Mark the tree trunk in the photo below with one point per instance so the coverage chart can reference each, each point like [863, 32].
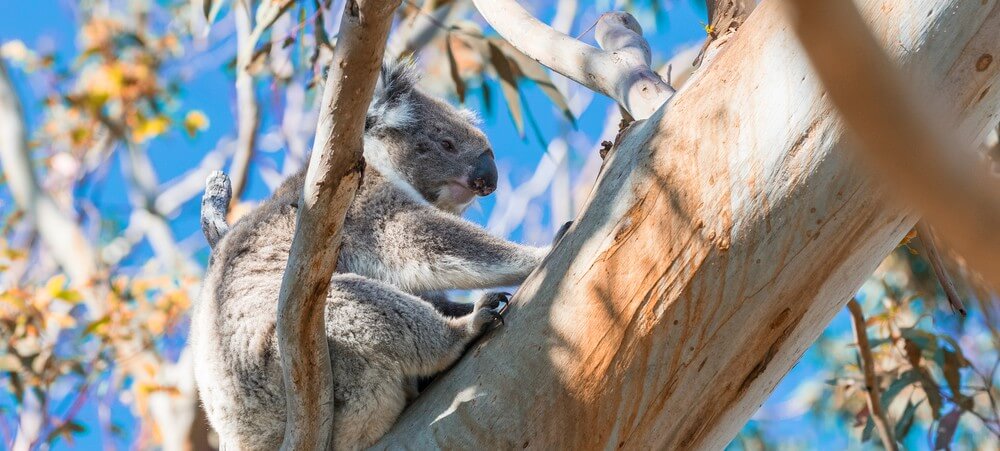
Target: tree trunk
[721, 239]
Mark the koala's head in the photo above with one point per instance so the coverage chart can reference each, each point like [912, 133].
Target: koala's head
[425, 144]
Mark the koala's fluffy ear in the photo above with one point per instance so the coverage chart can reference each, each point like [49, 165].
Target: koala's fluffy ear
[391, 105]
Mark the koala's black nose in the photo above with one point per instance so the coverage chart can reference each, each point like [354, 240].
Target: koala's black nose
[483, 179]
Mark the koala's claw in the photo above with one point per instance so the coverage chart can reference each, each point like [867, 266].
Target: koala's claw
[218, 185]
[491, 308]
[497, 317]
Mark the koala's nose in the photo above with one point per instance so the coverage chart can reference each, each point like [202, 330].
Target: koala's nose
[483, 179]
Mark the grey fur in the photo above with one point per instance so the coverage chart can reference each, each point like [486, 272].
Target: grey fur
[401, 237]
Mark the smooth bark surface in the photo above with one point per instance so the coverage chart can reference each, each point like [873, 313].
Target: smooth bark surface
[332, 178]
[620, 71]
[721, 239]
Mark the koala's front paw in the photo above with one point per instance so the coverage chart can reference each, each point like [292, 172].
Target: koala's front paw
[489, 311]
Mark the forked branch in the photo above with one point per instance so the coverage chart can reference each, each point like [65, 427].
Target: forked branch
[334, 174]
[620, 71]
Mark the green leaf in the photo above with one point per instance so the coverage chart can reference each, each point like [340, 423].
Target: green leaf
[906, 420]
[453, 69]
[534, 71]
[866, 434]
[508, 85]
[933, 393]
[925, 340]
[956, 348]
[897, 386]
[92, 327]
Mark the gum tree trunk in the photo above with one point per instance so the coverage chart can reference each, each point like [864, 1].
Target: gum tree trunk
[723, 236]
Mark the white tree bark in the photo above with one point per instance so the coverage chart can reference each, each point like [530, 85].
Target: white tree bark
[620, 71]
[333, 176]
[723, 236]
[247, 108]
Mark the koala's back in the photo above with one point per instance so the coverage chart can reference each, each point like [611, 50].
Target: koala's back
[233, 331]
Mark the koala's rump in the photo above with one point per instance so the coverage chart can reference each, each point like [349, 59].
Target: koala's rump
[239, 371]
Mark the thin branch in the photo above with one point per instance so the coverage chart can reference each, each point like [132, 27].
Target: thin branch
[247, 108]
[620, 71]
[332, 178]
[872, 391]
[947, 283]
[921, 157]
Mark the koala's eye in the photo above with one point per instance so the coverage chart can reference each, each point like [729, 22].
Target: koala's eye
[448, 145]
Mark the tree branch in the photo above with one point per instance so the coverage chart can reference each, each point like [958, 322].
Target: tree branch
[621, 71]
[247, 109]
[872, 392]
[66, 242]
[920, 156]
[702, 266]
[937, 263]
[332, 178]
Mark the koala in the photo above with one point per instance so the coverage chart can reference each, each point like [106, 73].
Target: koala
[402, 238]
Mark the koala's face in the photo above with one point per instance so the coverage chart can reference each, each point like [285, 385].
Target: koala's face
[434, 147]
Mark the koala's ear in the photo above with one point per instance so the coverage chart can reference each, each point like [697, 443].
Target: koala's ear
[392, 105]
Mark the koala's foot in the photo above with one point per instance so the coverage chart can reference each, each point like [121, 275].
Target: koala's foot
[215, 202]
[218, 187]
[489, 310]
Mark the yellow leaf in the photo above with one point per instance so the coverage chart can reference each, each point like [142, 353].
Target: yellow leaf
[55, 285]
[195, 121]
[56, 289]
[150, 128]
[13, 254]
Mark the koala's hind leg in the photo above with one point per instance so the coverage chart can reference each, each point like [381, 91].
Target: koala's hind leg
[214, 204]
[407, 331]
[446, 306]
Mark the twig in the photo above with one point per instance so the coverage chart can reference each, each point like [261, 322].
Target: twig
[947, 283]
[872, 391]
